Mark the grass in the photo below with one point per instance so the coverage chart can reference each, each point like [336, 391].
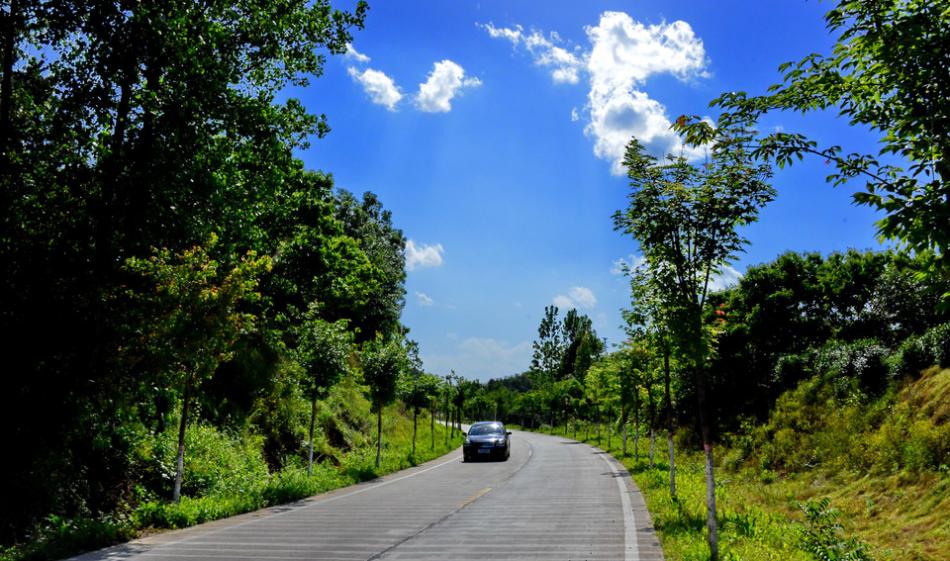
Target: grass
[897, 511]
[59, 537]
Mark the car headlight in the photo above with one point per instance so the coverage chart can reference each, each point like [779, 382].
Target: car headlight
[467, 441]
[499, 443]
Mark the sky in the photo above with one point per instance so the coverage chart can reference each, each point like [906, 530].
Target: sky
[493, 131]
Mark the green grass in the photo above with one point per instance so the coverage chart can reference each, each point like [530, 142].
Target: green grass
[218, 494]
[881, 465]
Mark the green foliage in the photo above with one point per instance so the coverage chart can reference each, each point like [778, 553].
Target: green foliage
[822, 535]
[382, 362]
[898, 93]
[919, 352]
[323, 351]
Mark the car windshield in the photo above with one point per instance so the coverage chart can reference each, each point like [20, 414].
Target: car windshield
[486, 429]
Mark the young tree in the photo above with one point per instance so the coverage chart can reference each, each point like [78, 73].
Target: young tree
[416, 389]
[383, 362]
[686, 219]
[323, 351]
[193, 318]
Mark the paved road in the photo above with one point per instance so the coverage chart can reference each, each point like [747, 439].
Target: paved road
[554, 499]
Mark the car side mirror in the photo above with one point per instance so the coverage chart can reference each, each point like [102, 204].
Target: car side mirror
[508, 433]
[464, 433]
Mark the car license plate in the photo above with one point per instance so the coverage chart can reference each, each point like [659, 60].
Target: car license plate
[484, 450]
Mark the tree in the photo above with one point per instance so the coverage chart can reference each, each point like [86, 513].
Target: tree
[416, 389]
[193, 318]
[383, 362]
[323, 351]
[548, 349]
[126, 126]
[685, 219]
[886, 71]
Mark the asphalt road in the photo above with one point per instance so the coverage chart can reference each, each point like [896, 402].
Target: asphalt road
[553, 499]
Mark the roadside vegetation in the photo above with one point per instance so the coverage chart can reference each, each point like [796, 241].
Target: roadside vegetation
[227, 472]
[194, 325]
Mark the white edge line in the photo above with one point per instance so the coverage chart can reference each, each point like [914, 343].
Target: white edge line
[631, 550]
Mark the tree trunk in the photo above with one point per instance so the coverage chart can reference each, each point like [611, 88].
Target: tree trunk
[669, 421]
[652, 446]
[445, 419]
[313, 418]
[432, 428]
[623, 419]
[180, 460]
[651, 413]
[415, 417]
[636, 426]
[706, 429]
[379, 433]
[608, 434]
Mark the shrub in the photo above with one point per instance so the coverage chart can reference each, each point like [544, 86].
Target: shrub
[823, 537]
[919, 352]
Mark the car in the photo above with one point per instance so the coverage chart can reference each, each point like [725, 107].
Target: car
[486, 440]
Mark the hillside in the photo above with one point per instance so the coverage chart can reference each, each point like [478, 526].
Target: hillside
[882, 466]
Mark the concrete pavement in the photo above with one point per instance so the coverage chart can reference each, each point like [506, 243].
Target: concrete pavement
[553, 499]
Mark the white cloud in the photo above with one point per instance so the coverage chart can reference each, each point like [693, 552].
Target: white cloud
[481, 358]
[423, 255]
[352, 53]
[565, 66]
[620, 266]
[624, 54]
[380, 87]
[424, 299]
[578, 297]
[726, 277]
[445, 81]
[575, 115]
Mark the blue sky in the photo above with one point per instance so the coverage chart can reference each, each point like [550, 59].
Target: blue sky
[491, 130]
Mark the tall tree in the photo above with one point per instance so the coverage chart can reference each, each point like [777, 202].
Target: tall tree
[685, 219]
[886, 71]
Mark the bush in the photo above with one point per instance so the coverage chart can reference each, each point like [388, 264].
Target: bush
[823, 538]
[919, 352]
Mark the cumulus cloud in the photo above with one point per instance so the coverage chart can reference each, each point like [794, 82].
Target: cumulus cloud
[624, 264]
[353, 54]
[578, 297]
[380, 87]
[624, 54]
[725, 277]
[446, 80]
[481, 358]
[565, 66]
[424, 299]
[423, 255]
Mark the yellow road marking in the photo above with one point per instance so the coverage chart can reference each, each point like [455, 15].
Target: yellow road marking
[474, 497]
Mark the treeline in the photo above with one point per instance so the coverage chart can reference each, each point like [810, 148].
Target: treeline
[168, 262]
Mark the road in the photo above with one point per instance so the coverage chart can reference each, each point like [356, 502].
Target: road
[553, 499]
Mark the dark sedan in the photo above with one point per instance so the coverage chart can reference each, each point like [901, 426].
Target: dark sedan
[487, 440]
